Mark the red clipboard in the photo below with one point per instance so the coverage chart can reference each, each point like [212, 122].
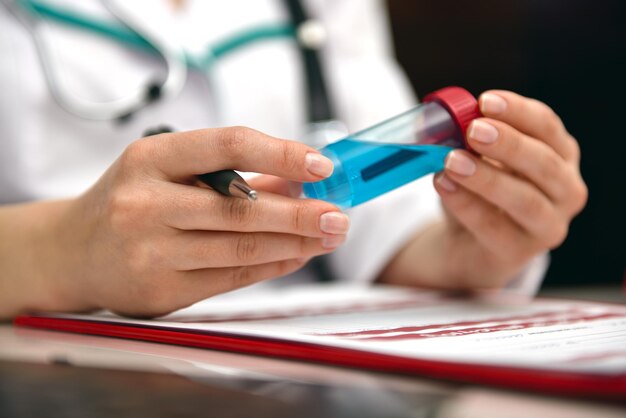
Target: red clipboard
[536, 380]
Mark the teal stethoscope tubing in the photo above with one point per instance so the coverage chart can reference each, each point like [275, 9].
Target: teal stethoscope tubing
[121, 34]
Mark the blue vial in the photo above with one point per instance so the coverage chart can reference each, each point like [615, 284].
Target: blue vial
[397, 151]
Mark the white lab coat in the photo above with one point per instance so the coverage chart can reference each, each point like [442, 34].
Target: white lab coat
[48, 153]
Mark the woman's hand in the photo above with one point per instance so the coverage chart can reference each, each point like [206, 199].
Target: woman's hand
[146, 239]
[507, 205]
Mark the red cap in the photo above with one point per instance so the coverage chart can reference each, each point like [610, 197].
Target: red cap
[461, 105]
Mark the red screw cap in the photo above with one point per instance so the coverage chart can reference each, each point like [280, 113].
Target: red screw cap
[462, 106]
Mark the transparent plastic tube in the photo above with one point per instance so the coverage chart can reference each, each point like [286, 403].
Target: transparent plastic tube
[397, 151]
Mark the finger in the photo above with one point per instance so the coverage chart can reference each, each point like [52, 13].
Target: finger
[490, 226]
[197, 285]
[194, 250]
[276, 185]
[184, 154]
[527, 156]
[193, 208]
[522, 201]
[531, 117]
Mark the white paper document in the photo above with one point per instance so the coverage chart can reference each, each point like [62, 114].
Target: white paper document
[548, 334]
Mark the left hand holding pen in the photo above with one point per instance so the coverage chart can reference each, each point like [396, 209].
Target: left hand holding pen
[517, 199]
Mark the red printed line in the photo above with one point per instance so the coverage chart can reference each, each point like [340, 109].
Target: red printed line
[598, 356]
[495, 328]
[452, 324]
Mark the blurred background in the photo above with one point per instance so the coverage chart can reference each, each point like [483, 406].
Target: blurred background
[570, 54]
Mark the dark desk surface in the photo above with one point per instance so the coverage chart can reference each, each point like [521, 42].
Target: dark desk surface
[53, 374]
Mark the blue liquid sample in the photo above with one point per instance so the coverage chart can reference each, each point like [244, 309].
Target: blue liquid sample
[366, 169]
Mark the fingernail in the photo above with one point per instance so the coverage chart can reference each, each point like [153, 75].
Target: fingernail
[483, 132]
[460, 164]
[333, 242]
[492, 104]
[334, 223]
[318, 165]
[446, 183]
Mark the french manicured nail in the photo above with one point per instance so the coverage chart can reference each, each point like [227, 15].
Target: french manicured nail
[318, 165]
[333, 242]
[492, 104]
[483, 132]
[334, 223]
[446, 183]
[460, 164]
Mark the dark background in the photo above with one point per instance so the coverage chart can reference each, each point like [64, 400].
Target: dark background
[570, 54]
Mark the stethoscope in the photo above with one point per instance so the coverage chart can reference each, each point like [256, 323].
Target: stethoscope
[133, 32]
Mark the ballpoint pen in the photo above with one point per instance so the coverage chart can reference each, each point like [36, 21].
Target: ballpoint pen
[228, 183]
